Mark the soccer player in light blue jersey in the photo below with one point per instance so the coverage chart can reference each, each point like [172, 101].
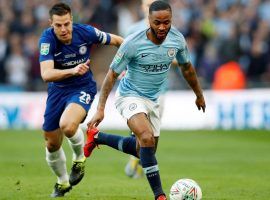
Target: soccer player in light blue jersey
[64, 62]
[147, 55]
[133, 168]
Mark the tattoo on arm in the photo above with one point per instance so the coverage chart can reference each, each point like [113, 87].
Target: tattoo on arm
[190, 76]
[106, 88]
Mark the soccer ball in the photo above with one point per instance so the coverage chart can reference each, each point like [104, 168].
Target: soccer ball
[185, 189]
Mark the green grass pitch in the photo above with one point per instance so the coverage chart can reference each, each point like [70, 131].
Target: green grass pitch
[228, 165]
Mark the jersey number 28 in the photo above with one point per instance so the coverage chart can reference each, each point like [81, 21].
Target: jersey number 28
[85, 98]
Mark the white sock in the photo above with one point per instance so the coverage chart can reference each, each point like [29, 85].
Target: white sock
[76, 142]
[57, 162]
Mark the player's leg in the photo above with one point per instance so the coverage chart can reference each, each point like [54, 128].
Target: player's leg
[70, 128]
[125, 144]
[134, 168]
[78, 102]
[120, 143]
[56, 160]
[128, 145]
[55, 155]
[141, 126]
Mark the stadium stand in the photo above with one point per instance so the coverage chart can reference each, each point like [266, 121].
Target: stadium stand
[217, 32]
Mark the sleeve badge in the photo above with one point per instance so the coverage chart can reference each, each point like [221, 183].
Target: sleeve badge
[44, 49]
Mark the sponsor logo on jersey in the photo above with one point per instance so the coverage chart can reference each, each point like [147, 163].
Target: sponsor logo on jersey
[70, 55]
[118, 57]
[73, 62]
[44, 48]
[156, 68]
[82, 50]
[171, 52]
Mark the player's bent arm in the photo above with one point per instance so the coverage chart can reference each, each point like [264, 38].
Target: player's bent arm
[50, 74]
[116, 40]
[106, 88]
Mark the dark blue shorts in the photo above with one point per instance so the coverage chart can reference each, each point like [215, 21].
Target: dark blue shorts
[60, 97]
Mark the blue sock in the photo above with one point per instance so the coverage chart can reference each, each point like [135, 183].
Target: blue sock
[124, 144]
[150, 168]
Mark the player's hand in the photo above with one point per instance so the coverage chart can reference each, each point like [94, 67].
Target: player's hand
[96, 119]
[200, 103]
[81, 69]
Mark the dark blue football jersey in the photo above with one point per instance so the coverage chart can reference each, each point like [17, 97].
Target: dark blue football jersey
[68, 56]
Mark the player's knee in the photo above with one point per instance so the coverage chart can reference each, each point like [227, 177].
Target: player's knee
[68, 129]
[52, 147]
[147, 139]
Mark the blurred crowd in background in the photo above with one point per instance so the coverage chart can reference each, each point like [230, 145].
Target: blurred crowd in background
[229, 40]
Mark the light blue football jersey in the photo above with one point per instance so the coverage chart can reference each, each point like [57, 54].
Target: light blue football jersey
[148, 64]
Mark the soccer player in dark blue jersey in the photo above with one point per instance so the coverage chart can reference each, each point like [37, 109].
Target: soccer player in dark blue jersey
[64, 62]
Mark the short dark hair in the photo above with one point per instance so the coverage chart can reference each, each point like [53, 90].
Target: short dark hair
[60, 9]
[159, 5]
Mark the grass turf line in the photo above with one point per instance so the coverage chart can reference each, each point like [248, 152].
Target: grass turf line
[228, 165]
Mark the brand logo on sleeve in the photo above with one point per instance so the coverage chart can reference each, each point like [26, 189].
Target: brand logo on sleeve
[44, 49]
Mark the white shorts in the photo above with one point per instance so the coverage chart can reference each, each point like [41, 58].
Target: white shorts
[129, 106]
[161, 102]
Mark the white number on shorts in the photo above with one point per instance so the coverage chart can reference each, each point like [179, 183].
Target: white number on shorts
[85, 98]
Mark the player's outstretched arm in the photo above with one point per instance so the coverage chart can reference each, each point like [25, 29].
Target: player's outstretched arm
[189, 74]
[116, 40]
[106, 88]
[50, 74]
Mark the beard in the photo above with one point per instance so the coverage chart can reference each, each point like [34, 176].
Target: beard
[156, 35]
